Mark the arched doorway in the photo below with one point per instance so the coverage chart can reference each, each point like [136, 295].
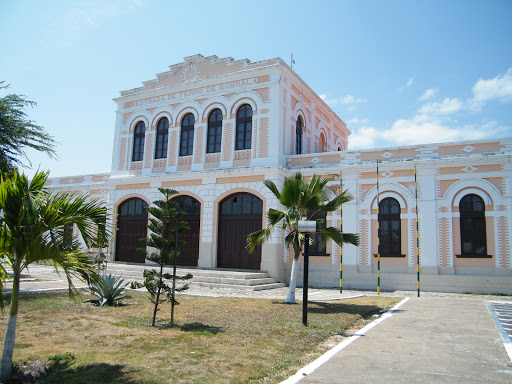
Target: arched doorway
[189, 253]
[239, 215]
[132, 225]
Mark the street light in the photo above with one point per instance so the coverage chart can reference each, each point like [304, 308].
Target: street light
[306, 227]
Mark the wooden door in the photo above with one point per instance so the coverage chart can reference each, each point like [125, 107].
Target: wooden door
[240, 215]
[132, 225]
[189, 252]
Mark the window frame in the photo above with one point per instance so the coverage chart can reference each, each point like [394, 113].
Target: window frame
[139, 136]
[317, 248]
[214, 141]
[473, 227]
[388, 246]
[187, 141]
[162, 138]
[298, 136]
[244, 142]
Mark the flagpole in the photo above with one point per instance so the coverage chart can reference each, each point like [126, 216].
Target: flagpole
[341, 230]
[378, 231]
[417, 233]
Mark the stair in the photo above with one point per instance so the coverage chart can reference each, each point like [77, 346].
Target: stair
[211, 278]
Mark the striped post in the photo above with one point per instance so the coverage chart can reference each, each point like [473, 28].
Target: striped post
[378, 231]
[341, 230]
[417, 233]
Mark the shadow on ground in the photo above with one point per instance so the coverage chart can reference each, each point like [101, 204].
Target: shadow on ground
[64, 372]
[330, 308]
[200, 328]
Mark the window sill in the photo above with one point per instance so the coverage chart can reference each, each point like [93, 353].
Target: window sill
[472, 256]
[389, 255]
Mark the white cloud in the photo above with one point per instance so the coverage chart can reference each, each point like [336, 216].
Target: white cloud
[446, 107]
[498, 88]
[364, 137]
[429, 93]
[419, 130]
[409, 82]
[349, 99]
[357, 120]
[329, 102]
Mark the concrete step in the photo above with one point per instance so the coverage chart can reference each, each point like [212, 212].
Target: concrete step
[240, 287]
[227, 280]
[213, 278]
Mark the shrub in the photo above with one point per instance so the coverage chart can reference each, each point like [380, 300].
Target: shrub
[109, 290]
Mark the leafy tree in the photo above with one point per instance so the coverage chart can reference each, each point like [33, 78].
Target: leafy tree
[32, 230]
[301, 201]
[17, 132]
[163, 226]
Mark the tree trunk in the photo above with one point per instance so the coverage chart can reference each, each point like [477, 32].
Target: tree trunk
[10, 333]
[158, 294]
[293, 281]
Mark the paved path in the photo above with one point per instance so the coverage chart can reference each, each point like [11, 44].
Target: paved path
[432, 339]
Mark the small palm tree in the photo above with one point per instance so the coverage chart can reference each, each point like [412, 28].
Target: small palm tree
[301, 201]
[32, 223]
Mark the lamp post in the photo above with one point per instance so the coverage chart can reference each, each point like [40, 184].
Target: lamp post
[306, 227]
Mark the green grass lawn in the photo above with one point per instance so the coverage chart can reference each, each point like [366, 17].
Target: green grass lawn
[217, 340]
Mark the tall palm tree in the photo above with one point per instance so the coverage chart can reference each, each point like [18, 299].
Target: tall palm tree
[32, 223]
[301, 201]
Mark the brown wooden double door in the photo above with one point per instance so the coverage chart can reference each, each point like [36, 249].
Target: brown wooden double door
[132, 225]
[189, 252]
[239, 215]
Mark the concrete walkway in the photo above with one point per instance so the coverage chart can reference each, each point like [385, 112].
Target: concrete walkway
[432, 339]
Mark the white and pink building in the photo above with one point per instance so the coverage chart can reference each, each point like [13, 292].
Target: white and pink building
[214, 129]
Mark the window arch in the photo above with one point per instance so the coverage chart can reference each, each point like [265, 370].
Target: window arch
[214, 131]
[187, 135]
[162, 136]
[323, 143]
[390, 231]
[298, 136]
[138, 141]
[473, 233]
[243, 127]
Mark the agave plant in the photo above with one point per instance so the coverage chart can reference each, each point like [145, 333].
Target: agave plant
[109, 290]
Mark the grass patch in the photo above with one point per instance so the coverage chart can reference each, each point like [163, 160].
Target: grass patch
[216, 340]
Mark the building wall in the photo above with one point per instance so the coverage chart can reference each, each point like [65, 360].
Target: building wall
[444, 172]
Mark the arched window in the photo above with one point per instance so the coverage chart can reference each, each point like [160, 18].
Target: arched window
[138, 141]
[243, 127]
[162, 135]
[323, 143]
[473, 234]
[390, 232]
[187, 135]
[298, 136]
[317, 248]
[214, 131]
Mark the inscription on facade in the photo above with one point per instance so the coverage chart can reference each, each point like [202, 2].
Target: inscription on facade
[195, 92]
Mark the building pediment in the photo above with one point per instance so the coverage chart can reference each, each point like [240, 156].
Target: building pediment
[199, 67]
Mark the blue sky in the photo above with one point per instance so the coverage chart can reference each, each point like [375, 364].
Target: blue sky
[397, 72]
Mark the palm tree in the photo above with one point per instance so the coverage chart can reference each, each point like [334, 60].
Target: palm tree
[32, 223]
[301, 201]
